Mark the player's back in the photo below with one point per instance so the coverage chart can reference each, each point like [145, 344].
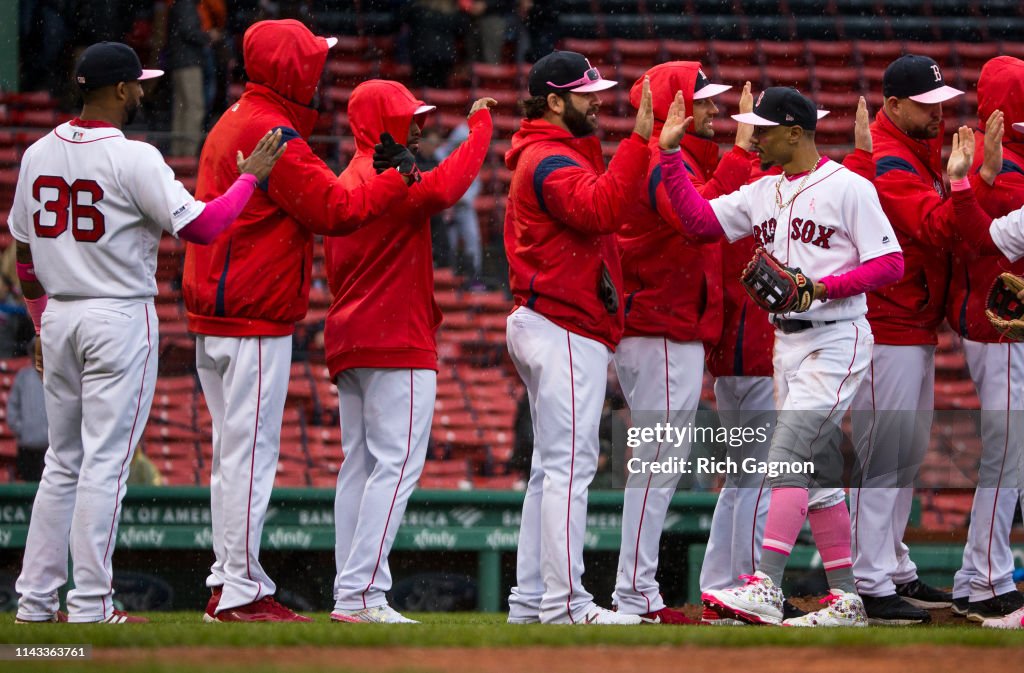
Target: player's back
[92, 205]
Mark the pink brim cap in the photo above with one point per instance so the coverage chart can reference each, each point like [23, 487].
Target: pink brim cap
[331, 41]
[150, 74]
[757, 120]
[1019, 126]
[940, 95]
[711, 90]
[424, 109]
[599, 85]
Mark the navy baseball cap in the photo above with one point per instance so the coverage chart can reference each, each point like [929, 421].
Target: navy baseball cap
[783, 106]
[703, 88]
[106, 63]
[565, 71]
[918, 78]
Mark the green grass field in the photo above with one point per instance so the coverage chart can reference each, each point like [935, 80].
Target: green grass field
[443, 630]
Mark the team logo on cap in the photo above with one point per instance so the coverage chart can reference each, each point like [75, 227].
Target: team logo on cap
[938, 73]
[759, 99]
[789, 117]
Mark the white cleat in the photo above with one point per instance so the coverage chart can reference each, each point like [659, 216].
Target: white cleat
[1014, 620]
[842, 609]
[382, 614]
[758, 601]
[598, 616]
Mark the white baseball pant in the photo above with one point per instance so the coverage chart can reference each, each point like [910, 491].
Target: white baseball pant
[245, 381]
[892, 423]
[661, 380]
[385, 427]
[100, 365]
[737, 526]
[998, 373]
[566, 377]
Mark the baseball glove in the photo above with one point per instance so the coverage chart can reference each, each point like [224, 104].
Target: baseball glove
[1003, 309]
[776, 287]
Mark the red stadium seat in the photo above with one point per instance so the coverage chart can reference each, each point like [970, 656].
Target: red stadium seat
[941, 52]
[878, 53]
[646, 53]
[837, 80]
[349, 72]
[832, 54]
[448, 101]
[783, 54]
[786, 76]
[737, 74]
[974, 55]
[599, 52]
[733, 53]
[686, 50]
[487, 76]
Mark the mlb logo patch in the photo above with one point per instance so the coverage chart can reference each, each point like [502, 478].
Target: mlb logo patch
[77, 135]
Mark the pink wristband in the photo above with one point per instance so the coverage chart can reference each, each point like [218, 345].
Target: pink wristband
[26, 272]
[35, 309]
[960, 185]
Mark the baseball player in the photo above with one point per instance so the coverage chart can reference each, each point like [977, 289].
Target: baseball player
[985, 580]
[821, 217]
[672, 300]
[740, 359]
[245, 293]
[564, 271]
[89, 209]
[893, 408]
[380, 343]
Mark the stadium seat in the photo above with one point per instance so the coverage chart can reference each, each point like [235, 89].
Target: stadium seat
[349, 72]
[782, 54]
[644, 53]
[733, 53]
[832, 54]
[878, 54]
[788, 76]
[974, 55]
[599, 52]
[687, 50]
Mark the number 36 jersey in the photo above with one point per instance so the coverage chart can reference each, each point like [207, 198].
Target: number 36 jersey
[92, 206]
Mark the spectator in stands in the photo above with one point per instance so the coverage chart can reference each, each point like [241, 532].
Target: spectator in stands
[434, 30]
[213, 16]
[462, 223]
[43, 34]
[186, 45]
[15, 326]
[26, 416]
[427, 159]
[491, 20]
[540, 24]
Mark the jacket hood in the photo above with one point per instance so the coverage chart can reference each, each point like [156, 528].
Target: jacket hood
[1001, 87]
[929, 152]
[666, 80]
[539, 130]
[379, 105]
[285, 57]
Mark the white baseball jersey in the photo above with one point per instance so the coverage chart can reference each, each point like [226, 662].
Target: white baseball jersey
[833, 224]
[1008, 234]
[92, 205]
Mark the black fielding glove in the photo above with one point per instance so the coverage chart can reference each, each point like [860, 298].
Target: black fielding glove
[389, 154]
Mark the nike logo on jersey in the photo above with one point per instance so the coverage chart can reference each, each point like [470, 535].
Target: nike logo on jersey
[807, 231]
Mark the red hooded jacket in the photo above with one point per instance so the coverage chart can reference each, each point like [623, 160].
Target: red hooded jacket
[1001, 87]
[254, 279]
[672, 282]
[382, 276]
[747, 337]
[562, 213]
[910, 187]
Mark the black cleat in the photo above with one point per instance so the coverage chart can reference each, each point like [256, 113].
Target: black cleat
[893, 611]
[999, 606]
[920, 595]
[789, 611]
[960, 606]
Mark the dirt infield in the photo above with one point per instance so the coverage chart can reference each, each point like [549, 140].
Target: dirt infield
[906, 659]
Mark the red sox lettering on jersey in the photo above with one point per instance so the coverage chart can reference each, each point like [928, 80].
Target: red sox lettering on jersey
[805, 231]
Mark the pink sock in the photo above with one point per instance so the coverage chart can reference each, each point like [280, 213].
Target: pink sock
[786, 514]
[831, 528]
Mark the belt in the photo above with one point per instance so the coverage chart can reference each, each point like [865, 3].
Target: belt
[793, 326]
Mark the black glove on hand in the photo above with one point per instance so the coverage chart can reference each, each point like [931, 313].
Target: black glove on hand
[389, 154]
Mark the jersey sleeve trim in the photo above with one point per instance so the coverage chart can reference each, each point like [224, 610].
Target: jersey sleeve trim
[886, 164]
[545, 168]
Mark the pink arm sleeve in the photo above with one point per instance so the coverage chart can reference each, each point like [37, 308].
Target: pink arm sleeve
[220, 213]
[870, 275]
[694, 211]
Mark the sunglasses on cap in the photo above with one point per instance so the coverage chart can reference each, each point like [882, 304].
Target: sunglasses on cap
[589, 77]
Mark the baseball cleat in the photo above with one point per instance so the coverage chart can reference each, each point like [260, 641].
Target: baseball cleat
[993, 608]
[122, 617]
[893, 610]
[666, 616]
[210, 615]
[382, 614]
[959, 606]
[842, 609]
[57, 618]
[1014, 620]
[265, 609]
[598, 616]
[920, 595]
[758, 601]
[711, 618]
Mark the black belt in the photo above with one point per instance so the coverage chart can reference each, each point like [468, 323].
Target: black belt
[793, 326]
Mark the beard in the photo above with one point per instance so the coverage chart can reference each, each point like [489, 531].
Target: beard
[130, 111]
[577, 123]
[922, 133]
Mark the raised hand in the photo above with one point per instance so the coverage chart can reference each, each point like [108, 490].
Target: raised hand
[862, 127]
[675, 124]
[962, 156]
[482, 104]
[268, 150]
[645, 113]
[390, 154]
[992, 162]
[744, 132]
